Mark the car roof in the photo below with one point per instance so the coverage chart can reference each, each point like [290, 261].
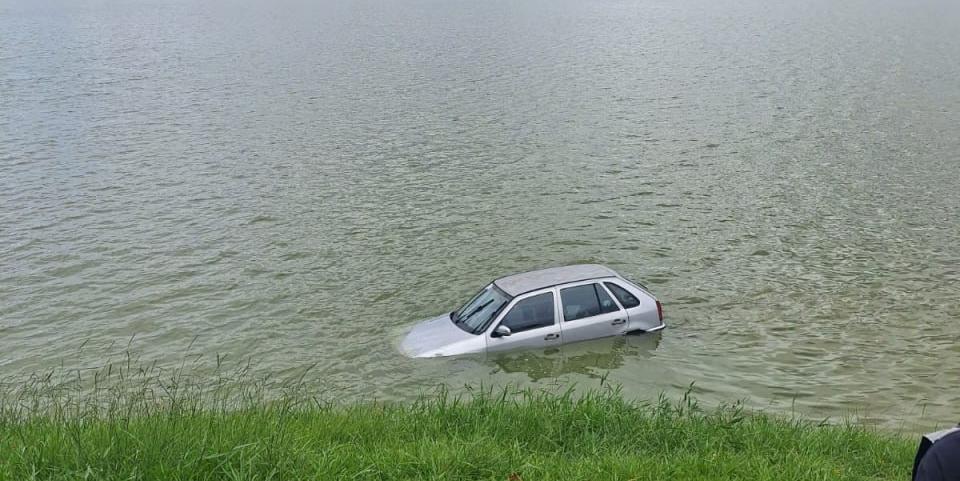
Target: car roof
[517, 284]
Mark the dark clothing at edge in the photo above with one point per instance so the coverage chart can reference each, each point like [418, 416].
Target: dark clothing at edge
[942, 461]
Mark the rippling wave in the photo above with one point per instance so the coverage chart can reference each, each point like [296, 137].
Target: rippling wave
[296, 183]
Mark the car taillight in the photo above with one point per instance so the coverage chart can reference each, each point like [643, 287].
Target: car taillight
[660, 311]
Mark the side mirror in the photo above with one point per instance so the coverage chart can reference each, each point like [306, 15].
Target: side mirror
[502, 331]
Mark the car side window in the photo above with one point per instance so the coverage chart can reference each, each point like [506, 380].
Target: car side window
[606, 302]
[624, 296]
[585, 301]
[530, 313]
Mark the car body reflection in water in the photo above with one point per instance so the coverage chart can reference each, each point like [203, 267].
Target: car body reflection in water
[589, 358]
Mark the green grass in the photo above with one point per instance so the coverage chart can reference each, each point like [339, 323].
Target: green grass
[169, 429]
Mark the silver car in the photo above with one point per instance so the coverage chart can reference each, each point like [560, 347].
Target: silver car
[539, 309]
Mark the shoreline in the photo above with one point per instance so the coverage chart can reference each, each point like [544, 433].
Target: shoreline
[530, 434]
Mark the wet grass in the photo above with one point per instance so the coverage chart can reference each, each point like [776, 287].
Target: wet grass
[146, 424]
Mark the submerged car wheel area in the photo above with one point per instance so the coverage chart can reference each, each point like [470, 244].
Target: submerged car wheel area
[541, 308]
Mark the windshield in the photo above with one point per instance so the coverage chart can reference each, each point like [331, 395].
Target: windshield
[476, 315]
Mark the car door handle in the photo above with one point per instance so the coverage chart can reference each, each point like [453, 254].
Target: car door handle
[617, 322]
[551, 337]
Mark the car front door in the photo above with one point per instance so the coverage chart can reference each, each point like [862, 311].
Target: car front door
[532, 321]
[589, 313]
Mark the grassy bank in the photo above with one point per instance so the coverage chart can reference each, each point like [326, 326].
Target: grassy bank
[175, 434]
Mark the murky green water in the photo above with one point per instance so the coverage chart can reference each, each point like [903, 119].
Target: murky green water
[297, 182]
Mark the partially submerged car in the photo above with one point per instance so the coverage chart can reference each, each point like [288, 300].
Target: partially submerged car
[541, 308]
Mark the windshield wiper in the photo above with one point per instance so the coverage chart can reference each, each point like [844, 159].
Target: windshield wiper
[473, 312]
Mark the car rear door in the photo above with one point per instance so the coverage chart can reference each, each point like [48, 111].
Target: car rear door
[532, 320]
[641, 309]
[588, 312]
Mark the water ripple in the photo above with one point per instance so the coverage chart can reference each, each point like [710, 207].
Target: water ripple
[297, 185]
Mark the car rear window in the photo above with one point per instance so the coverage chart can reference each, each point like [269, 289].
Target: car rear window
[627, 299]
[585, 301]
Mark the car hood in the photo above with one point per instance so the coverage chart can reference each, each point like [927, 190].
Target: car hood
[435, 337]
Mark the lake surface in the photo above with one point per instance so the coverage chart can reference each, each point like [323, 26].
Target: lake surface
[295, 183]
